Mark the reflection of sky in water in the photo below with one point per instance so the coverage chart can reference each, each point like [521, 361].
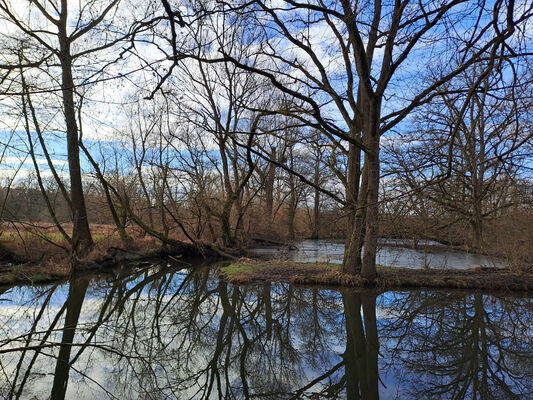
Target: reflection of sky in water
[333, 251]
[160, 335]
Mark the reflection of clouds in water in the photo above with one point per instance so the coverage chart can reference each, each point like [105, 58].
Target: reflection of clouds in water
[333, 251]
[135, 335]
[288, 335]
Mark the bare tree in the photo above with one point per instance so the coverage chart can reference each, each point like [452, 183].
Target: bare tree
[353, 79]
[66, 36]
[477, 131]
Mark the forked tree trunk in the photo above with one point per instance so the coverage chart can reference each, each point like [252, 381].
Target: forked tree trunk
[362, 346]
[363, 221]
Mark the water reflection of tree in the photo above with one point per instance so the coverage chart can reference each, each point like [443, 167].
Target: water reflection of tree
[362, 346]
[76, 294]
[459, 345]
[159, 336]
[191, 336]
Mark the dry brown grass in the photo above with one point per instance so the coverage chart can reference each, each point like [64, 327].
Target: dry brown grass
[48, 261]
[43, 242]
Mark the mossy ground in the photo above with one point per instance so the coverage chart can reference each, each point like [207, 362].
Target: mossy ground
[249, 271]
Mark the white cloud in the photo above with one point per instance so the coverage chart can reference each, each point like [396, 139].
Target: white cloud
[17, 161]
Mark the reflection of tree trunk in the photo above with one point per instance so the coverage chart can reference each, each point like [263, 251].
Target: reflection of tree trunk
[233, 310]
[479, 358]
[268, 309]
[352, 306]
[362, 346]
[222, 339]
[76, 294]
[372, 344]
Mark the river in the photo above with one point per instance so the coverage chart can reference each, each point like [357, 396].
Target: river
[186, 334]
[390, 253]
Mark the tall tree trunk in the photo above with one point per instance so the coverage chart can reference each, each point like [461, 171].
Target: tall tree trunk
[292, 207]
[372, 164]
[81, 235]
[225, 223]
[269, 190]
[316, 204]
[477, 230]
[352, 256]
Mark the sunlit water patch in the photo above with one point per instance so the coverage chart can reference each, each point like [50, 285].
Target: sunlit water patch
[433, 256]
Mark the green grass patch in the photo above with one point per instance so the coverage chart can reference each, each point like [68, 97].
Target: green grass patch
[250, 271]
[235, 271]
[40, 277]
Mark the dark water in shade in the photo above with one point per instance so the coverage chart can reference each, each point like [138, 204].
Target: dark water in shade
[187, 335]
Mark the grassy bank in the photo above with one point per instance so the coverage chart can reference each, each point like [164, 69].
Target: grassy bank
[249, 271]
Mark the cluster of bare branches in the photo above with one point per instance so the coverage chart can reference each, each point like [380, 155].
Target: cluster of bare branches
[258, 119]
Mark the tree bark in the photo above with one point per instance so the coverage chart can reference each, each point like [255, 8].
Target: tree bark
[81, 235]
[269, 191]
[372, 164]
[316, 204]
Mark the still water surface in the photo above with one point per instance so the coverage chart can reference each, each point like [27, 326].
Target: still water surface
[157, 334]
[390, 253]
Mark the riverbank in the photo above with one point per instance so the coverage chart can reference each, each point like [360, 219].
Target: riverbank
[250, 271]
[101, 259]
